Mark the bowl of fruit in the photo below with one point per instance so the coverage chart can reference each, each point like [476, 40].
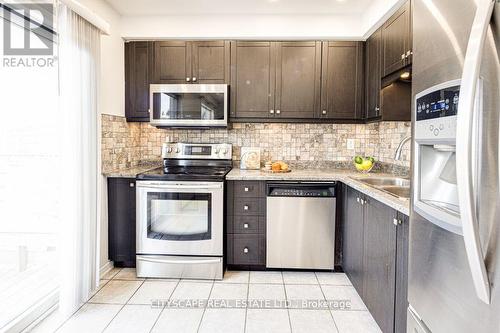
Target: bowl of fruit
[364, 164]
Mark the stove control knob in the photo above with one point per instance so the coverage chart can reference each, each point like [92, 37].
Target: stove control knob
[216, 151]
[169, 150]
[177, 150]
[224, 151]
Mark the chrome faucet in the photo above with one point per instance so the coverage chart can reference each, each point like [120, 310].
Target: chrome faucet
[399, 150]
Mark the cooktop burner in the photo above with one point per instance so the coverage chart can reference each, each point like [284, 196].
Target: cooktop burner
[186, 173]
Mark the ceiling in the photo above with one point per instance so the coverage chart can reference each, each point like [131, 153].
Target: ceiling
[197, 7]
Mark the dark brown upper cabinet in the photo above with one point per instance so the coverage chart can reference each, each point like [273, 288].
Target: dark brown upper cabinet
[211, 62]
[342, 80]
[138, 64]
[252, 79]
[172, 62]
[396, 40]
[373, 75]
[298, 72]
[191, 62]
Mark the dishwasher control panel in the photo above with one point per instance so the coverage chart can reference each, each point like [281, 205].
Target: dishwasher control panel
[301, 190]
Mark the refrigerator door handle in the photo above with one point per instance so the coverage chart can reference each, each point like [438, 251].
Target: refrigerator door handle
[465, 117]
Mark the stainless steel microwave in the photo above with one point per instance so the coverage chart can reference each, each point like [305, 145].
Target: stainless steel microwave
[188, 105]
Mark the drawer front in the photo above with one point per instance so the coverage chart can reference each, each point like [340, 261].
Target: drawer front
[247, 250]
[246, 224]
[249, 189]
[248, 206]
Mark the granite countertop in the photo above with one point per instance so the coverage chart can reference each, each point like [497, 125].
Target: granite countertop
[348, 177]
[130, 172]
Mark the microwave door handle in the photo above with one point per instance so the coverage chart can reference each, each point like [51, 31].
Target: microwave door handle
[465, 119]
[175, 261]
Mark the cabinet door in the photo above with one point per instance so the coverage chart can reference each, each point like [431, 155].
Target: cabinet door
[373, 75]
[138, 63]
[298, 70]
[401, 274]
[121, 221]
[252, 79]
[352, 240]
[395, 40]
[380, 263]
[172, 62]
[210, 62]
[342, 80]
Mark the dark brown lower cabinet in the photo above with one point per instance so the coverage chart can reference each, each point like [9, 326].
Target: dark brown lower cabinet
[379, 263]
[246, 224]
[121, 221]
[352, 240]
[375, 257]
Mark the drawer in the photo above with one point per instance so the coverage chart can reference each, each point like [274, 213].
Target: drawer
[246, 224]
[249, 189]
[248, 206]
[248, 250]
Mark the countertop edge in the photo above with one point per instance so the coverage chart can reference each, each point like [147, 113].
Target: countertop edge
[344, 176]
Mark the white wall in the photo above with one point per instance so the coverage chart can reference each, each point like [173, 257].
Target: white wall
[112, 89]
[377, 13]
[238, 26]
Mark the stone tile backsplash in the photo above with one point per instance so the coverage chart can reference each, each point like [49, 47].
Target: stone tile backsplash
[126, 145]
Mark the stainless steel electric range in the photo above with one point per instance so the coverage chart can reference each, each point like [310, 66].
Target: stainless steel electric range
[180, 212]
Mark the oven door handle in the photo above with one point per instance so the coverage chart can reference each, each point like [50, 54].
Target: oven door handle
[175, 261]
[179, 187]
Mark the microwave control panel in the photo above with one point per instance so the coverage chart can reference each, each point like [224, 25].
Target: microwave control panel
[436, 112]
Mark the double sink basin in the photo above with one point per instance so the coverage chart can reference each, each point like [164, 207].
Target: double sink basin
[398, 187]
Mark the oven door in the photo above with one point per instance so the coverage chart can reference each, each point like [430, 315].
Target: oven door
[188, 105]
[180, 218]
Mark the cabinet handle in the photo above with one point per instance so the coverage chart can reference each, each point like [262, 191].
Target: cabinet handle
[271, 111]
[245, 207]
[194, 79]
[357, 199]
[408, 53]
[246, 189]
[396, 222]
[245, 250]
[188, 79]
[323, 112]
[131, 185]
[278, 111]
[149, 110]
[403, 56]
[377, 109]
[245, 226]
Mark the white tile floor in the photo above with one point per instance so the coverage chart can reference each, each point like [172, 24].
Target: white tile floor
[123, 304]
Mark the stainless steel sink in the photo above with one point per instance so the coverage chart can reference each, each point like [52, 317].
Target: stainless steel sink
[399, 187]
[399, 191]
[386, 181]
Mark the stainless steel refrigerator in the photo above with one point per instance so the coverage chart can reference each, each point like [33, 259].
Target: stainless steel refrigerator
[454, 264]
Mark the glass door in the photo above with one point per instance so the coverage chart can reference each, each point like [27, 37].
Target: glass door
[179, 216]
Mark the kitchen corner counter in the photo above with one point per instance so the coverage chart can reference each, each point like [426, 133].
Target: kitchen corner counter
[347, 177]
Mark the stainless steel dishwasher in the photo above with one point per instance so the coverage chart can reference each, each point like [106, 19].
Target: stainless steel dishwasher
[300, 225]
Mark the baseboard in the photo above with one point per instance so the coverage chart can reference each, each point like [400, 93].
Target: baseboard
[105, 268]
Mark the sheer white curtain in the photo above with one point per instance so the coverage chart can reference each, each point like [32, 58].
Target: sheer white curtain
[79, 54]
